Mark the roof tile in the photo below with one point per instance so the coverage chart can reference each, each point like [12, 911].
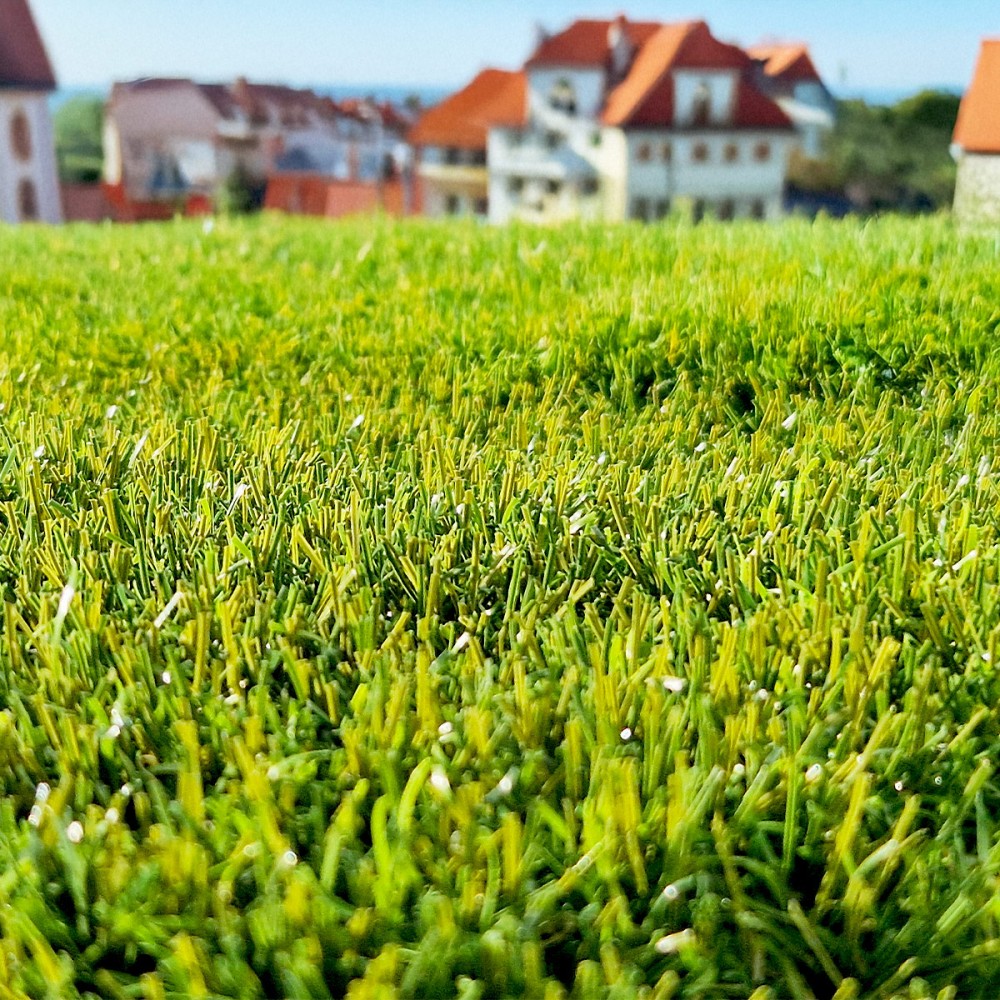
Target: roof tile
[586, 43]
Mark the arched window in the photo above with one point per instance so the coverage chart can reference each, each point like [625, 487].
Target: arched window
[562, 97]
[27, 200]
[701, 106]
[20, 136]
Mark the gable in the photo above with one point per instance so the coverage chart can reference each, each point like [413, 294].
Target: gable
[978, 127]
[24, 62]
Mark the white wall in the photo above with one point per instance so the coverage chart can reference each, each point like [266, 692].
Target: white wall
[977, 190]
[722, 95]
[743, 181]
[40, 168]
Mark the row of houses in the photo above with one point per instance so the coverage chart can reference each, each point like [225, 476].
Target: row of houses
[607, 119]
[625, 119]
[170, 141]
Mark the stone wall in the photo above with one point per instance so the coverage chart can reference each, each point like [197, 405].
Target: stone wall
[977, 192]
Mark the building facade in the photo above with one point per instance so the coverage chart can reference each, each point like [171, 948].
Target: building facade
[976, 145]
[615, 120]
[29, 183]
[167, 142]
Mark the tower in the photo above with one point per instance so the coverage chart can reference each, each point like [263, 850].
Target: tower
[29, 184]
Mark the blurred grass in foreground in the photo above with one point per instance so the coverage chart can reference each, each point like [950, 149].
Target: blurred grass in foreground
[427, 610]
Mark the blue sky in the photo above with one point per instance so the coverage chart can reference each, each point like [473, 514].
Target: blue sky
[858, 44]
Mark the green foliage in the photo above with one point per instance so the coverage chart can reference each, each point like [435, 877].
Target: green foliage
[418, 610]
[241, 193]
[888, 157]
[78, 126]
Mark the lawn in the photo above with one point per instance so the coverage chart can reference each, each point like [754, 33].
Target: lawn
[429, 610]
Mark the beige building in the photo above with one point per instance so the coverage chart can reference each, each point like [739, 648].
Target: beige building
[29, 183]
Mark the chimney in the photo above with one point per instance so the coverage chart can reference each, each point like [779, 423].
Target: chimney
[619, 48]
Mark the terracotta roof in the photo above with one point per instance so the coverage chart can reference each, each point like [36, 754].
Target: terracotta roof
[462, 121]
[978, 127]
[757, 110]
[23, 60]
[648, 82]
[645, 98]
[790, 63]
[585, 43]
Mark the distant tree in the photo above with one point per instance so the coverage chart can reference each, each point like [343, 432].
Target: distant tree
[241, 192]
[887, 158]
[78, 126]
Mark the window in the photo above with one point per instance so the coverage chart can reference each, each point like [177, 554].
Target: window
[478, 157]
[589, 186]
[553, 187]
[552, 140]
[727, 209]
[640, 209]
[732, 153]
[562, 96]
[644, 153]
[757, 209]
[452, 204]
[452, 156]
[596, 139]
[762, 152]
[662, 208]
[20, 136]
[515, 185]
[27, 201]
[482, 207]
[701, 106]
[667, 152]
[699, 152]
[698, 210]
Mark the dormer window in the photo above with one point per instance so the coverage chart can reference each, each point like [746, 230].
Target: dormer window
[701, 106]
[562, 96]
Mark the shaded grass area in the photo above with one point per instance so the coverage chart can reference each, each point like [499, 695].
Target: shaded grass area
[428, 610]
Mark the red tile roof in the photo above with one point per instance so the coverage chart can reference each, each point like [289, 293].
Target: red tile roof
[978, 127]
[495, 97]
[787, 62]
[645, 98]
[23, 60]
[649, 83]
[757, 110]
[585, 43]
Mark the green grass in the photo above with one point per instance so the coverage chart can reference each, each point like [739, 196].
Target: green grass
[437, 611]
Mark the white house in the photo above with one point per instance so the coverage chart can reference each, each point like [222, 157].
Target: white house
[29, 183]
[623, 119]
[976, 144]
